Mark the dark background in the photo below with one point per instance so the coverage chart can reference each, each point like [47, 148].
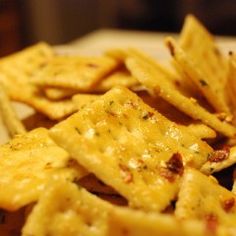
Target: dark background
[23, 22]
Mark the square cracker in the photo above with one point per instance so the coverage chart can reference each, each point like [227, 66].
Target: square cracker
[19, 89]
[75, 72]
[27, 163]
[15, 74]
[158, 83]
[17, 69]
[201, 197]
[141, 152]
[203, 62]
[66, 209]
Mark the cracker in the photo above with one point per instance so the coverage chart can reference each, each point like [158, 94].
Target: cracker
[19, 67]
[201, 197]
[157, 81]
[120, 77]
[65, 209]
[135, 145]
[26, 93]
[30, 58]
[8, 114]
[219, 160]
[137, 223]
[27, 162]
[15, 74]
[55, 110]
[75, 72]
[59, 93]
[201, 131]
[200, 58]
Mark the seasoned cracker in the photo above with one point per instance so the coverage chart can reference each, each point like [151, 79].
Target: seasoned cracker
[27, 163]
[201, 197]
[9, 116]
[157, 82]
[15, 74]
[142, 154]
[202, 61]
[75, 72]
[201, 131]
[65, 209]
[130, 222]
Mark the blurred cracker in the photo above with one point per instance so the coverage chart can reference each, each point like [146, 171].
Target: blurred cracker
[158, 84]
[29, 59]
[59, 93]
[201, 59]
[15, 74]
[75, 72]
[8, 114]
[27, 163]
[120, 77]
[201, 197]
[65, 209]
[124, 142]
[219, 160]
[124, 221]
[201, 131]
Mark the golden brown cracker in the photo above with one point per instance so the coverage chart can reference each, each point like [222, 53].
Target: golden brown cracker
[75, 72]
[158, 83]
[201, 197]
[27, 163]
[123, 135]
[65, 209]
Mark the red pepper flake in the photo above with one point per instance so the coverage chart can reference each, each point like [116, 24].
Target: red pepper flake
[219, 155]
[211, 223]
[228, 204]
[126, 174]
[175, 164]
